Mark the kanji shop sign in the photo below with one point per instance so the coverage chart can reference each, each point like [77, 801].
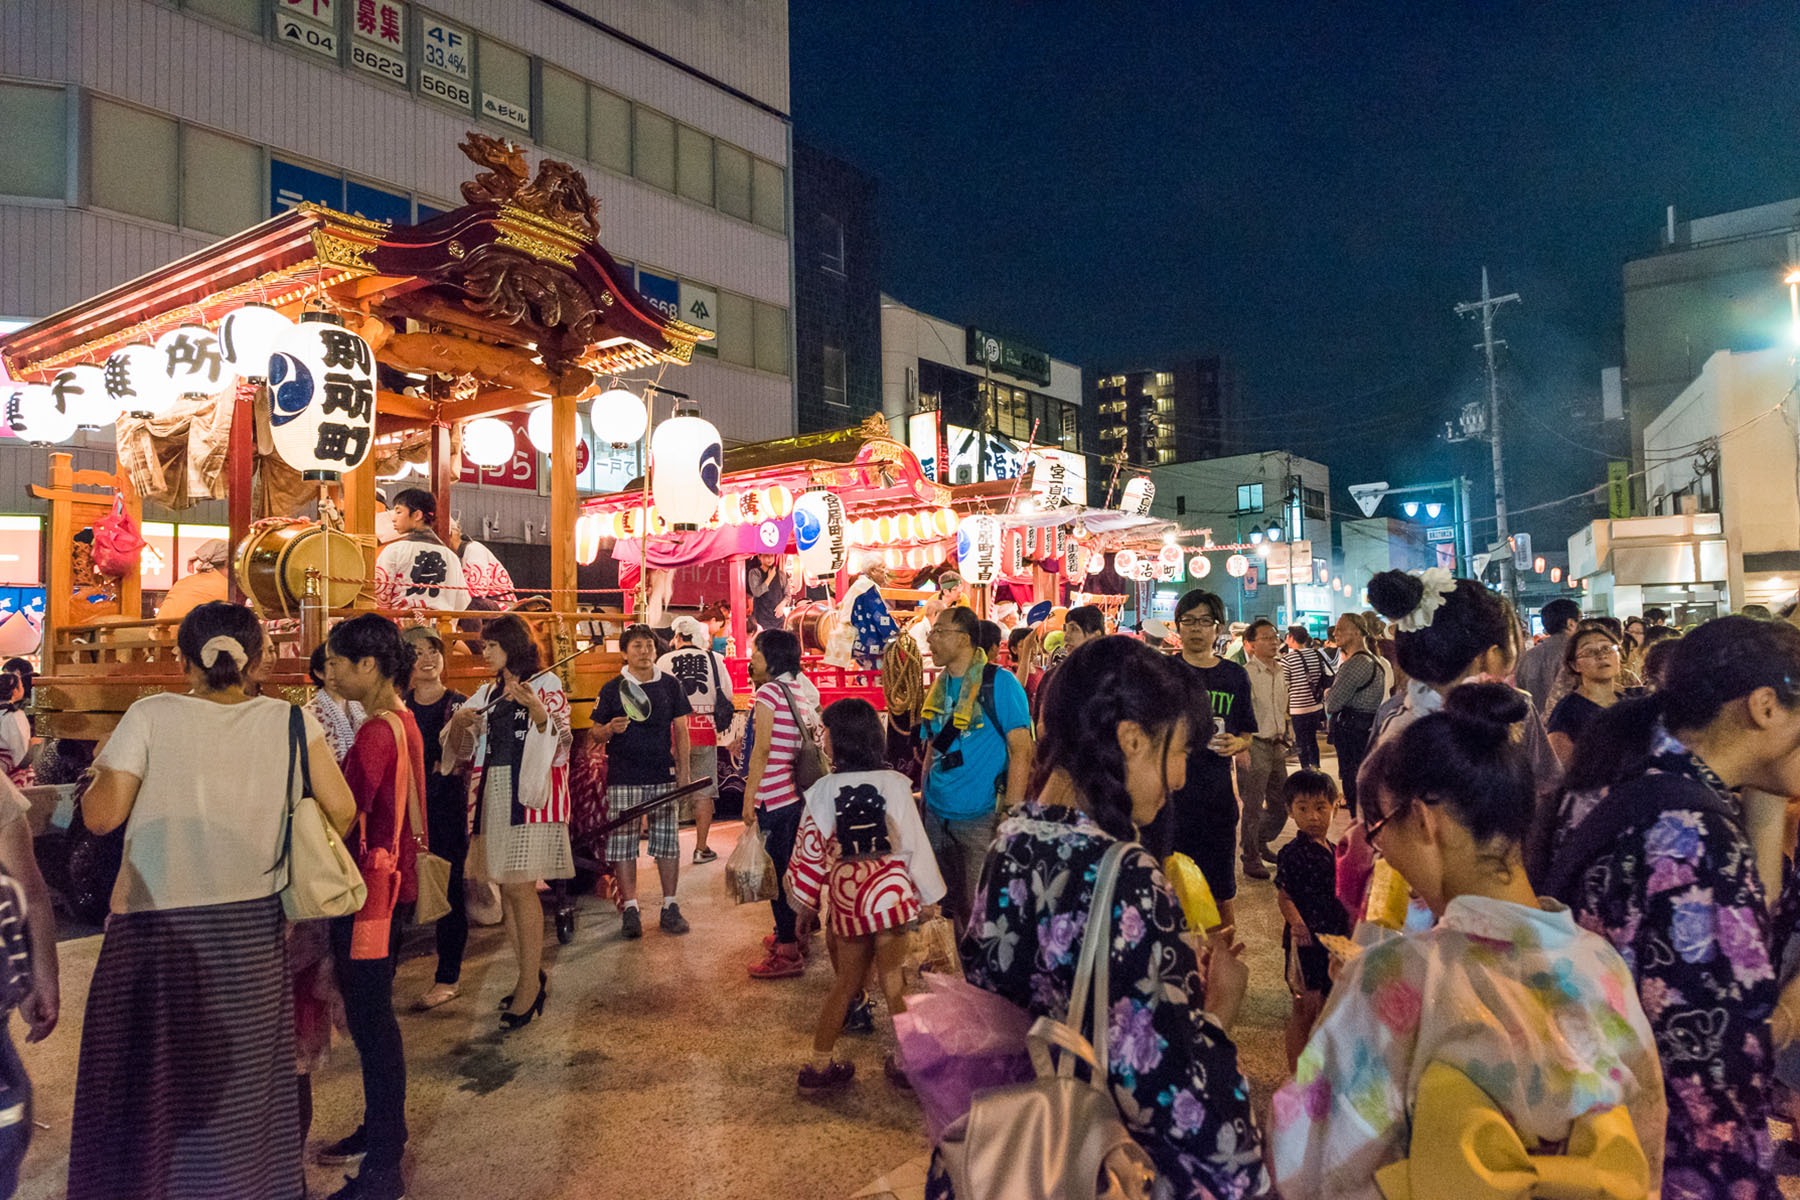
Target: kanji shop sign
[520, 471]
[309, 24]
[378, 38]
[322, 398]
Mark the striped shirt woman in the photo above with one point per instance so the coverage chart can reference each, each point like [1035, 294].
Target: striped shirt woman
[782, 690]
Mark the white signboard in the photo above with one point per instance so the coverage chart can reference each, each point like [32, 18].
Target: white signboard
[1521, 551]
[505, 111]
[378, 38]
[445, 71]
[297, 25]
[1368, 496]
[699, 306]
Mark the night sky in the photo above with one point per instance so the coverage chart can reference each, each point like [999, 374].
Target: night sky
[1308, 189]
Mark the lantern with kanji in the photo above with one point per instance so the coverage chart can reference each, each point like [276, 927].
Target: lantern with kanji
[322, 398]
[250, 336]
[978, 548]
[193, 361]
[1138, 495]
[81, 391]
[136, 382]
[34, 414]
[686, 460]
[1050, 482]
[820, 536]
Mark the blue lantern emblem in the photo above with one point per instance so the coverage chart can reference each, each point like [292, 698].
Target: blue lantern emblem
[712, 464]
[290, 388]
[807, 529]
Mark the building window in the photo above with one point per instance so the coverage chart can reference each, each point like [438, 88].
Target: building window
[132, 162]
[1165, 455]
[737, 329]
[653, 148]
[1181, 506]
[694, 165]
[831, 244]
[562, 121]
[505, 85]
[221, 182]
[609, 130]
[837, 388]
[771, 338]
[1071, 428]
[33, 140]
[245, 14]
[768, 196]
[731, 181]
[1250, 497]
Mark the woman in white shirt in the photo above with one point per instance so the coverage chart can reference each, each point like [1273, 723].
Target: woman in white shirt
[193, 958]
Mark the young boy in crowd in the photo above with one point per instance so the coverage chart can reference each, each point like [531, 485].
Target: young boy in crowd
[1305, 874]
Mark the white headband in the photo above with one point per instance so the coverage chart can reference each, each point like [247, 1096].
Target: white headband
[226, 645]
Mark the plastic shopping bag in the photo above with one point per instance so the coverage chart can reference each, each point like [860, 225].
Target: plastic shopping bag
[956, 1040]
[750, 872]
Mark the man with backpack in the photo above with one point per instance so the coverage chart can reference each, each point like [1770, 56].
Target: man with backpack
[1308, 679]
[977, 727]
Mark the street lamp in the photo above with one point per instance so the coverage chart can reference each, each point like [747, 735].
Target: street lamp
[1410, 508]
[1256, 535]
[1274, 533]
[1433, 510]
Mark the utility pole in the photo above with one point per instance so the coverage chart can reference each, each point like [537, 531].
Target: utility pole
[1486, 306]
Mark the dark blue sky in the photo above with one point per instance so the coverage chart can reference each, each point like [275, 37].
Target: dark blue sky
[1306, 188]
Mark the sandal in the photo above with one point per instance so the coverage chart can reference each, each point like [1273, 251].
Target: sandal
[440, 993]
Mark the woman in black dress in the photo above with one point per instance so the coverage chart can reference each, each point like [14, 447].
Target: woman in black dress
[1593, 656]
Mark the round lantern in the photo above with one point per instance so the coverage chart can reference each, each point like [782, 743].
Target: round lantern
[589, 529]
[819, 535]
[1199, 566]
[1169, 556]
[731, 511]
[1125, 563]
[35, 416]
[894, 559]
[686, 460]
[250, 336]
[1050, 482]
[859, 531]
[884, 530]
[618, 417]
[82, 393]
[1096, 562]
[541, 430]
[978, 548]
[1012, 553]
[907, 527]
[488, 442]
[777, 501]
[918, 558]
[321, 398]
[1237, 566]
[194, 363]
[1075, 560]
[1168, 572]
[135, 381]
[623, 524]
[1138, 495]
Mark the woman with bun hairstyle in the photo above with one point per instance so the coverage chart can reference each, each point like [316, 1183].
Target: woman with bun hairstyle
[1669, 845]
[1504, 990]
[372, 664]
[194, 960]
[1115, 744]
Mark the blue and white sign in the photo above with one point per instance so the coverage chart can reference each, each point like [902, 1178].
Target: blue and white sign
[663, 293]
[291, 184]
[377, 204]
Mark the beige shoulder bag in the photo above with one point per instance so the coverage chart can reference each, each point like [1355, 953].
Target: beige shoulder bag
[322, 879]
[1058, 1137]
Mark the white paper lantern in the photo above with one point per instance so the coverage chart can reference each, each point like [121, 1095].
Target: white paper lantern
[36, 416]
[1125, 563]
[589, 529]
[618, 417]
[488, 442]
[1199, 566]
[135, 380]
[322, 398]
[1050, 482]
[686, 461]
[541, 431]
[1138, 495]
[777, 501]
[1237, 566]
[81, 391]
[250, 336]
[194, 363]
[1075, 560]
[1169, 556]
[1166, 572]
[1012, 552]
[820, 536]
[978, 548]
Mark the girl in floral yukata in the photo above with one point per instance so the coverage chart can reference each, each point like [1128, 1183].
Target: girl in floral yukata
[1669, 845]
[1115, 742]
[1506, 989]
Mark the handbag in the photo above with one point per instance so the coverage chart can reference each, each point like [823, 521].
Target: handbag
[1057, 1137]
[117, 543]
[809, 760]
[432, 871]
[322, 878]
[724, 711]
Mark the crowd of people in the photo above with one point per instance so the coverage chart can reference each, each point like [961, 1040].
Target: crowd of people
[1558, 928]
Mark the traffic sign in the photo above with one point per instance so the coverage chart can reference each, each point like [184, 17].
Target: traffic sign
[1368, 496]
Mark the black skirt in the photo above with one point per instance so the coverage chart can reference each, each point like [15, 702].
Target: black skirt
[185, 1090]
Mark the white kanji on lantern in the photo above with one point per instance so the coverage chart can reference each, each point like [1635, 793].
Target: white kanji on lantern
[322, 398]
[978, 548]
[820, 535]
[1138, 495]
[193, 361]
[686, 462]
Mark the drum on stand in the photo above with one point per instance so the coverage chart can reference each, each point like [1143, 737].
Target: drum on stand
[813, 625]
[273, 561]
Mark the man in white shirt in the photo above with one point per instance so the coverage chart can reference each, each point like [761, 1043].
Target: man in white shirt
[417, 570]
[1262, 770]
[703, 676]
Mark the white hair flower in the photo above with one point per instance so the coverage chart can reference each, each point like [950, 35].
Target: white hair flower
[1438, 583]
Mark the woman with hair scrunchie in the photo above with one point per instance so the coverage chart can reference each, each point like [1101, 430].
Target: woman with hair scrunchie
[194, 958]
[1115, 743]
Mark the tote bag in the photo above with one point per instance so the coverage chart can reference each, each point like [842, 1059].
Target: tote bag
[322, 879]
[433, 872]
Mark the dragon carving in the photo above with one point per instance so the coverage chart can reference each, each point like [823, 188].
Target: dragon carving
[505, 285]
[558, 193]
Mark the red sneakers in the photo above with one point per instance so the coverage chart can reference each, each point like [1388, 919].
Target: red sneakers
[769, 945]
[783, 962]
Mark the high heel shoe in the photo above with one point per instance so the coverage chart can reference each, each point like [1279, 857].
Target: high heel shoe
[506, 1000]
[520, 1020]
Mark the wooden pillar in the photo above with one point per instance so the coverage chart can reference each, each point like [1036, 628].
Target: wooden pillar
[60, 598]
[359, 517]
[240, 470]
[563, 500]
[444, 472]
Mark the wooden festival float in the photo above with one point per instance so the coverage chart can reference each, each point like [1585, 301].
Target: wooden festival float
[279, 366]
